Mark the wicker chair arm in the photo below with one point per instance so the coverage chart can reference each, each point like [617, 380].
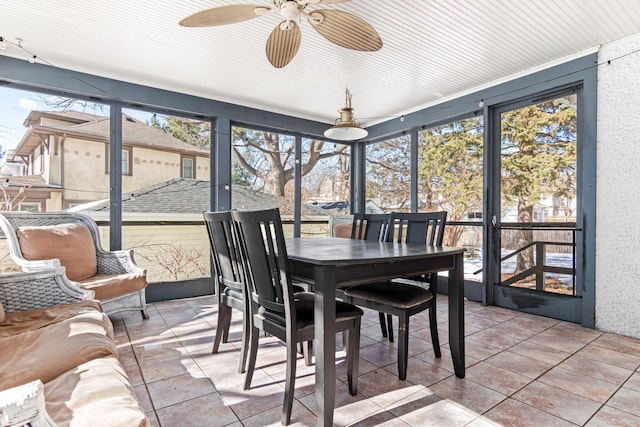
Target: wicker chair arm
[34, 290]
[117, 262]
[24, 405]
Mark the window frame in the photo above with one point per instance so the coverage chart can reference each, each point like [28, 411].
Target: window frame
[183, 158]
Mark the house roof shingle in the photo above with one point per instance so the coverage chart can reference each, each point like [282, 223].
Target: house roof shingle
[191, 196]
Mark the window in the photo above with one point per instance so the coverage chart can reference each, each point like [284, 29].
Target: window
[30, 207]
[388, 178]
[326, 185]
[187, 167]
[126, 161]
[127, 154]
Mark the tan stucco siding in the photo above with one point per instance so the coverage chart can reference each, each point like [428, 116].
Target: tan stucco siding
[84, 170]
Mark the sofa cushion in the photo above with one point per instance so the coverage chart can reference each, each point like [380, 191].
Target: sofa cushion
[112, 285]
[72, 244]
[48, 352]
[22, 321]
[98, 393]
[2, 315]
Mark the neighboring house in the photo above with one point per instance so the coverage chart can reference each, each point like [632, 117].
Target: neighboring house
[163, 224]
[70, 150]
[27, 193]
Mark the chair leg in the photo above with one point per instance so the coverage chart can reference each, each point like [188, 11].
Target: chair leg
[353, 357]
[390, 327]
[433, 326]
[244, 349]
[222, 326]
[253, 353]
[307, 352]
[383, 324]
[144, 313]
[403, 346]
[290, 382]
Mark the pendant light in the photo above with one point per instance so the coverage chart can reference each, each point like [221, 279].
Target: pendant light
[346, 127]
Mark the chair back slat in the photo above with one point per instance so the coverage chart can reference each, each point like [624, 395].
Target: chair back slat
[425, 228]
[264, 257]
[371, 227]
[224, 250]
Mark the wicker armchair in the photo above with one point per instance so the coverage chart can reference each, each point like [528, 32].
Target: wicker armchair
[118, 282]
[40, 289]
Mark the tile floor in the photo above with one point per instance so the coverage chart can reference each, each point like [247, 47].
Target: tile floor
[522, 370]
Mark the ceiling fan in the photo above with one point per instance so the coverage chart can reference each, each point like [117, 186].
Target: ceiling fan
[341, 28]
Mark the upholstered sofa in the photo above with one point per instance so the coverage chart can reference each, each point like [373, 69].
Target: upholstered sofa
[45, 240]
[58, 357]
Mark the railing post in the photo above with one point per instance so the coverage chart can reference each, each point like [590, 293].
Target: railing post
[539, 268]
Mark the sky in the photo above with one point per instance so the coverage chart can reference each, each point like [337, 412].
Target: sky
[15, 106]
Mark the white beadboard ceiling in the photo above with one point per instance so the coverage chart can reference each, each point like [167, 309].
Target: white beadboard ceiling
[433, 49]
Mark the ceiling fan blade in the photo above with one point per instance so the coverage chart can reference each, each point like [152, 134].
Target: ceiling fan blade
[222, 15]
[283, 45]
[345, 29]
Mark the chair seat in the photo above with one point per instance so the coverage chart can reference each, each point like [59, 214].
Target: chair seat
[304, 311]
[398, 295]
[114, 285]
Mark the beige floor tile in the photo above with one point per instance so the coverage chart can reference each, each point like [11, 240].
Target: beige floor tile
[608, 417]
[384, 388]
[424, 408]
[201, 411]
[596, 369]
[633, 382]
[495, 338]
[530, 368]
[178, 389]
[612, 357]
[496, 378]
[512, 413]
[626, 400]
[540, 352]
[467, 393]
[560, 403]
[582, 385]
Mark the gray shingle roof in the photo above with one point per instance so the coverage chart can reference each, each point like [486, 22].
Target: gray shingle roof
[191, 196]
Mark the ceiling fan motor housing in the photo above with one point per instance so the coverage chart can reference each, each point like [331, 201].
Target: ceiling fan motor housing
[290, 11]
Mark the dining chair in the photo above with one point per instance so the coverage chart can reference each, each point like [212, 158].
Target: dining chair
[230, 289]
[274, 306]
[372, 227]
[406, 296]
[229, 282]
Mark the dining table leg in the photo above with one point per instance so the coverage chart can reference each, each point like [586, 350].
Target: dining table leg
[325, 343]
[456, 315]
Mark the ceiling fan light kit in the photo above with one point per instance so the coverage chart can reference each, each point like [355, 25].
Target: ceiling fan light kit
[346, 127]
[341, 28]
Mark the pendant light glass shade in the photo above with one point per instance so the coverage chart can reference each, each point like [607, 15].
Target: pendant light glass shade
[346, 127]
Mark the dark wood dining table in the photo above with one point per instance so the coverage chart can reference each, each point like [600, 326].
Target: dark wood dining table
[331, 262]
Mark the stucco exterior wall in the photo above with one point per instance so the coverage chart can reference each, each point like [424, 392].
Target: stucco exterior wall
[85, 169]
[618, 181]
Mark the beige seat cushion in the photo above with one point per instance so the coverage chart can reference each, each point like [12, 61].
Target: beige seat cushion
[22, 321]
[2, 315]
[72, 244]
[342, 230]
[96, 393]
[112, 285]
[47, 353]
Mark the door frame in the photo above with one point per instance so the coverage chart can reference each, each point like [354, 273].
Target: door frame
[575, 309]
